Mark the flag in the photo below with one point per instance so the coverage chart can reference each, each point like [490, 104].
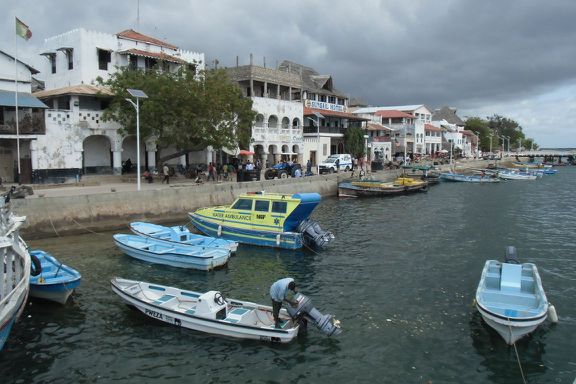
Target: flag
[22, 30]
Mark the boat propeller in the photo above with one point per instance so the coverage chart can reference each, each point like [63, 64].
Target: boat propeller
[326, 323]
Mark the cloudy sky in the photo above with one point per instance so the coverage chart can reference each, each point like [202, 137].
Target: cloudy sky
[515, 58]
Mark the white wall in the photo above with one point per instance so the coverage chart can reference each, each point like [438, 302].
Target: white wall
[8, 75]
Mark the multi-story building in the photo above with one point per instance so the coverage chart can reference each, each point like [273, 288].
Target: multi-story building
[407, 123]
[454, 138]
[77, 140]
[18, 140]
[276, 96]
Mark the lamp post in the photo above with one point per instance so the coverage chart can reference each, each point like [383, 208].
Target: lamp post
[491, 144]
[138, 94]
[477, 144]
[318, 117]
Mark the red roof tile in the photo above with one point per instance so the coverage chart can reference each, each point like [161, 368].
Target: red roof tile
[133, 35]
[153, 55]
[393, 113]
[324, 112]
[431, 128]
[378, 127]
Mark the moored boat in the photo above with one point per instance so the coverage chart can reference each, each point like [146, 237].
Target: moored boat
[14, 270]
[510, 297]
[516, 175]
[266, 219]
[56, 281]
[175, 255]
[180, 235]
[373, 188]
[210, 312]
[423, 172]
[459, 177]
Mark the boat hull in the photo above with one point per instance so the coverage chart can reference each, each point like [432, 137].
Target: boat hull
[210, 227]
[141, 249]
[510, 330]
[468, 178]
[56, 282]
[58, 293]
[222, 327]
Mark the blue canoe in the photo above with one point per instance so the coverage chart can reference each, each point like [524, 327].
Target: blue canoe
[176, 255]
[56, 281]
[450, 176]
[180, 235]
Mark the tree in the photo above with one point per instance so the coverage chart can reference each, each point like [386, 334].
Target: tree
[354, 142]
[183, 109]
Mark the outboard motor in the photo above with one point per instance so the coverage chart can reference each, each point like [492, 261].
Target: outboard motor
[326, 323]
[313, 235]
[511, 255]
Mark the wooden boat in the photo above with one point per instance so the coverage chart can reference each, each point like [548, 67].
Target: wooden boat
[372, 188]
[206, 312]
[516, 175]
[15, 265]
[56, 281]
[266, 219]
[180, 235]
[459, 177]
[510, 297]
[181, 256]
[423, 172]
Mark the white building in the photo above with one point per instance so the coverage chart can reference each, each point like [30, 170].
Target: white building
[276, 98]
[18, 139]
[77, 140]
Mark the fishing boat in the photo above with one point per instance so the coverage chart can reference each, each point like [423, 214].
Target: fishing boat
[372, 188]
[15, 265]
[181, 256]
[210, 312]
[266, 219]
[510, 297]
[423, 172]
[180, 234]
[56, 281]
[459, 177]
[516, 175]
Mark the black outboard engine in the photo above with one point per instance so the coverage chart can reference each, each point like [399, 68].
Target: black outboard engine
[326, 323]
[313, 235]
[511, 255]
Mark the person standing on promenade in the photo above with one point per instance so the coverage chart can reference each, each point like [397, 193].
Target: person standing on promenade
[279, 293]
[166, 173]
[211, 172]
[337, 165]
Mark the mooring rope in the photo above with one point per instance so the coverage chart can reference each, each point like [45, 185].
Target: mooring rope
[54, 228]
[88, 229]
[517, 356]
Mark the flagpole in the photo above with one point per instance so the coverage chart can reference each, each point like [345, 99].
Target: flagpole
[16, 104]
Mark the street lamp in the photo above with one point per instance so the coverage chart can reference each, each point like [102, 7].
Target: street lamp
[318, 117]
[477, 144]
[138, 94]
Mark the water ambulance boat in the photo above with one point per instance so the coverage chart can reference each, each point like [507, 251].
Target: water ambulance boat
[265, 219]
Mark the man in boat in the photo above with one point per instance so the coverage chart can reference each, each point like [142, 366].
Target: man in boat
[279, 292]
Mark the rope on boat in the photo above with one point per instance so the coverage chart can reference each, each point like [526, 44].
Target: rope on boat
[313, 250]
[517, 356]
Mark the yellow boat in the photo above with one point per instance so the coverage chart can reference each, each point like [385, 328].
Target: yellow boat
[266, 219]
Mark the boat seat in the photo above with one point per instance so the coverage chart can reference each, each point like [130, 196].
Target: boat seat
[236, 315]
[191, 311]
[167, 250]
[163, 299]
[511, 277]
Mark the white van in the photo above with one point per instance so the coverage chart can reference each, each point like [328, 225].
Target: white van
[329, 165]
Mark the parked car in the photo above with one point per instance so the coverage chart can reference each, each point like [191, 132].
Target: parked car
[329, 165]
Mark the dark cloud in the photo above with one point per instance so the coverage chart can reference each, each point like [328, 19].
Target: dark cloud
[465, 53]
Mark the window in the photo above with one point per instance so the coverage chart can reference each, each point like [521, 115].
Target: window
[244, 204]
[103, 59]
[133, 62]
[52, 59]
[279, 206]
[261, 205]
[70, 58]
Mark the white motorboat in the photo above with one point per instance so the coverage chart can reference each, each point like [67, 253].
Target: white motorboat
[210, 312]
[510, 297]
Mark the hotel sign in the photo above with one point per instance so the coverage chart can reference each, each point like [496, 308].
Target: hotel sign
[326, 106]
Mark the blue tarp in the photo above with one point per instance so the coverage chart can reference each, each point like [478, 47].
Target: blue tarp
[25, 100]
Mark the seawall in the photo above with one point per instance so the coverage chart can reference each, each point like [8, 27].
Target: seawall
[69, 215]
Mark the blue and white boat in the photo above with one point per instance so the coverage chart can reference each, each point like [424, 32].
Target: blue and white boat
[180, 235]
[513, 174]
[14, 270]
[510, 297]
[56, 281]
[451, 176]
[175, 255]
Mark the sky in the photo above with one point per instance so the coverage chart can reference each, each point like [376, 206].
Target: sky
[514, 58]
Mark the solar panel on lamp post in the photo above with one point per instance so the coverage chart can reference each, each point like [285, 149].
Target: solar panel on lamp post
[138, 94]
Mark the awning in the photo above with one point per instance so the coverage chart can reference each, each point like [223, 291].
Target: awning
[245, 152]
[26, 100]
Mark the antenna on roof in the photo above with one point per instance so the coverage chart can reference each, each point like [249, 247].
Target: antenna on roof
[138, 16]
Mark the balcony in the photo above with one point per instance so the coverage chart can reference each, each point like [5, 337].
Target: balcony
[274, 134]
[84, 119]
[30, 124]
[331, 130]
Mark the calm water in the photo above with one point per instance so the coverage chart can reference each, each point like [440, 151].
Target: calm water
[401, 277]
